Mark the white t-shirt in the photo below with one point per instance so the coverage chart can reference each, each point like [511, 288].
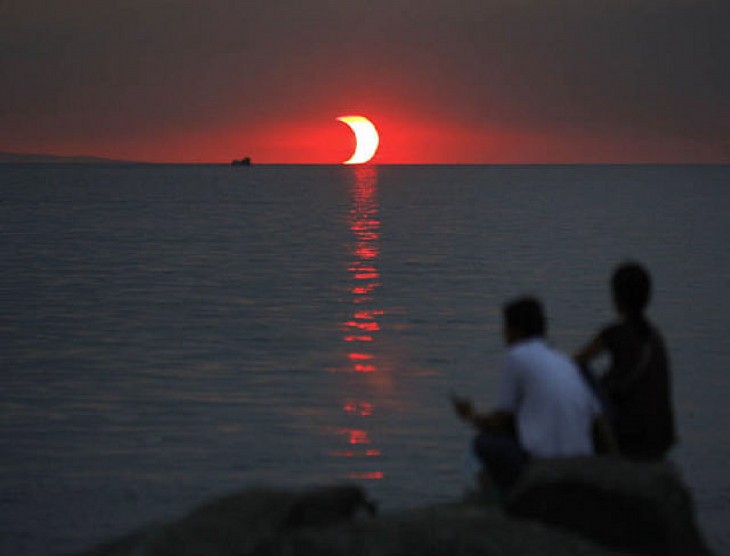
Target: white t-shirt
[554, 408]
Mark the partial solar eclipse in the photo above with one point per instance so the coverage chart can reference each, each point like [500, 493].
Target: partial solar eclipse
[366, 138]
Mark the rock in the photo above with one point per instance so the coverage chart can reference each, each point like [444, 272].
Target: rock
[329, 505]
[582, 506]
[236, 524]
[325, 522]
[444, 530]
[641, 507]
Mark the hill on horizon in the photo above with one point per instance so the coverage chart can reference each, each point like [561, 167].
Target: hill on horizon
[42, 158]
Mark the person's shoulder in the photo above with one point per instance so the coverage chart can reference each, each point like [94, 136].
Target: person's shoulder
[611, 328]
[527, 345]
[655, 330]
[518, 352]
[531, 349]
[614, 333]
[560, 357]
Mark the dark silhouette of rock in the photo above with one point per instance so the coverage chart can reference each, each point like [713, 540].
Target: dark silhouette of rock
[640, 507]
[246, 161]
[236, 524]
[325, 522]
[587, 506]
[441, 530]
[325, 506]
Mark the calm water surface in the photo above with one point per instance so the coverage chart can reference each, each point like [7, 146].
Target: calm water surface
[170, 334]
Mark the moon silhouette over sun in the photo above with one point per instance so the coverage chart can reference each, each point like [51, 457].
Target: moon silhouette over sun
[366, 138]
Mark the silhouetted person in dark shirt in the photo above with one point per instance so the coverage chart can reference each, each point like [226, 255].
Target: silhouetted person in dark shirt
[638, 382]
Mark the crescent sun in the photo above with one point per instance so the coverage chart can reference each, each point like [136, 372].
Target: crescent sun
[366, 138]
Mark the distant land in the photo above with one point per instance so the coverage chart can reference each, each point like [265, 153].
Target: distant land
[37, 158]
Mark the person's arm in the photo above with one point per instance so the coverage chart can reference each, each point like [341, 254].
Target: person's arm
[590, 351]
[498, 420]
[502, 419]
[464, 408]
[605, 440]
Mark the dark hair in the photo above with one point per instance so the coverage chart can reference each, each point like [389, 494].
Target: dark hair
[525, 316]
[631, 286]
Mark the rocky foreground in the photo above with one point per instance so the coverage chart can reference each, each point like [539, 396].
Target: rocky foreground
[596, 506]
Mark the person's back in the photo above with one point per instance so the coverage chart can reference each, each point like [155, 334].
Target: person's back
[638, 382]
[554, 409]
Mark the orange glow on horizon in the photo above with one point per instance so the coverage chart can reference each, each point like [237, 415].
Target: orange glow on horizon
[406, 137]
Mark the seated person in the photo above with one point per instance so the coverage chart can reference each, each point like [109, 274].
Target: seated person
[637, 384]
[544, 407]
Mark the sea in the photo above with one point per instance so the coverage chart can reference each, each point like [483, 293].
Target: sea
[171, 334]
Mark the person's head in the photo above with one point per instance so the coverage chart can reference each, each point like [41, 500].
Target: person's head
[523, 319]
[631, 287]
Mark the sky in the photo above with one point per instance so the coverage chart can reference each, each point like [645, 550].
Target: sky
[444, 81]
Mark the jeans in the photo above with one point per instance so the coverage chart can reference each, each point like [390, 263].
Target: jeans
[502, 457]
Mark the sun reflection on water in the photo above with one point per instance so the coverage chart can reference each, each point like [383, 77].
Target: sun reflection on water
[360, 330]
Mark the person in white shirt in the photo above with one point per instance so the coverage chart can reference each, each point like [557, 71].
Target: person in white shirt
[544, 407]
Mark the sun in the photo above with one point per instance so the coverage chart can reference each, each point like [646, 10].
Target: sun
[366, 138]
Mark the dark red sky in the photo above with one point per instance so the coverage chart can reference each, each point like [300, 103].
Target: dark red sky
[445, 81]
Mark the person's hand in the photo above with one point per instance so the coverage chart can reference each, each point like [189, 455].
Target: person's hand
[463, 407]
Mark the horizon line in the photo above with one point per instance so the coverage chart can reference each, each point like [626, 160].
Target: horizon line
[7, 158]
